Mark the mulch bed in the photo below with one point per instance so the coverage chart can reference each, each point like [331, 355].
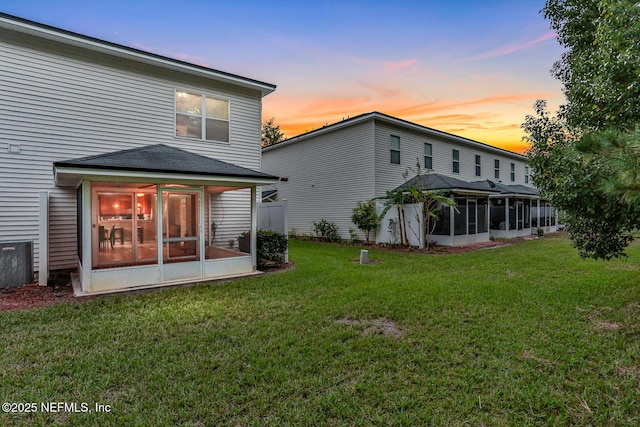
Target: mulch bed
[436, 249]
[33, 295]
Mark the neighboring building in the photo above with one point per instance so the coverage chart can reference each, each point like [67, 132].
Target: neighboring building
[325, 172]
[133, 168]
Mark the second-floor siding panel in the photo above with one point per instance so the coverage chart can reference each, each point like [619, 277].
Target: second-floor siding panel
[468, 162]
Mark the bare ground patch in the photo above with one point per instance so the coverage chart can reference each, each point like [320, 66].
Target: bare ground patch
[598, 323]
[377, 326]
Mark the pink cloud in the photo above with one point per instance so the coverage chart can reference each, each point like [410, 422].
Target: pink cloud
[393, 66]
[511, 48]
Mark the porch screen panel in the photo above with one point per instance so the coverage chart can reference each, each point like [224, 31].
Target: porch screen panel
[512, 214]
[125, 225]
[443, 223]
[482, 206]
[229, 222]
[471, 215]
[181, 231]
[498, 217]
[115, 223]
[542, 222]
[460, 217]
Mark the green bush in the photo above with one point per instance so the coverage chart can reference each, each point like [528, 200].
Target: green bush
[271, 248]
[365, 217]
[326, 230]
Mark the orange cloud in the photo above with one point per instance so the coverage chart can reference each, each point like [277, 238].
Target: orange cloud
[494, 120]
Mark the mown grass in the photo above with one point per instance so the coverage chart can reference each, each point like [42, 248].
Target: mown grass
[526, 334]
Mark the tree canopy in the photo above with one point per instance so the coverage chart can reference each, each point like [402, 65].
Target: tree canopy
[586, 159]
[600, 69]
[271, 133]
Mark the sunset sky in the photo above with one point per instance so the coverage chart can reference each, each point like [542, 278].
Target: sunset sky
[471, 68]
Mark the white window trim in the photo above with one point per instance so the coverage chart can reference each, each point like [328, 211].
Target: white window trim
[399, 150]
[424, 156]
[203, 115]
[454, 161]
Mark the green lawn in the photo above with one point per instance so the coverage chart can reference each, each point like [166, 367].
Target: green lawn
[520, 335]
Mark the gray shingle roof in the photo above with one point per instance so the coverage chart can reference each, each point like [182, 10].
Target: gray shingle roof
[436, 181]
[162, 158]
[514, 189]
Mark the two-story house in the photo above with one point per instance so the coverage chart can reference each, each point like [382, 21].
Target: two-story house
[133, 168]
[325, 172]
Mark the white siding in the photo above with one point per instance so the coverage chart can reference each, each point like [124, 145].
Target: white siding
[390, 176]
[327, 176]
[59, 103]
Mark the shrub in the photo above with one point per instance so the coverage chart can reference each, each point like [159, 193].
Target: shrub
[365, 217]
[271, 248]
[353, 237]
[326, 230]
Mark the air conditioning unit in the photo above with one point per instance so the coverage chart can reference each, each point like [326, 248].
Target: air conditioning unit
[16, 263]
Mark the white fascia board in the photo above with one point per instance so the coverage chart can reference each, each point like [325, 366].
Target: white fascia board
[134, 54]
[65, 176]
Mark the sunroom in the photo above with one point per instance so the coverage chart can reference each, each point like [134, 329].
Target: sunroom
[466, 223]
[159, 215]
[519, 211]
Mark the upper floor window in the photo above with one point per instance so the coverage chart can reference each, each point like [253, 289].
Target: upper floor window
[456, 161]
[428, 158]
[526, 174]
[478, 165]
[496, 166]
[513, 171]
[202, 117]
[394, 149]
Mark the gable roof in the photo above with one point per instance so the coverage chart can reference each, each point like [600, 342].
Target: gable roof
[436, 181]
[385, 118]
[59, 35]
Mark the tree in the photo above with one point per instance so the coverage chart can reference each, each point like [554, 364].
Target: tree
[365, 218]
[579, 166]
[271, 133]
[598, 223]
[599, 70]
[432, 201]
[396, 198]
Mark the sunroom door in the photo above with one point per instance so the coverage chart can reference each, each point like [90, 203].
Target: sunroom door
[181, 236]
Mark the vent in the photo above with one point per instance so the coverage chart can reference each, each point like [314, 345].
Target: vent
[16, 263]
